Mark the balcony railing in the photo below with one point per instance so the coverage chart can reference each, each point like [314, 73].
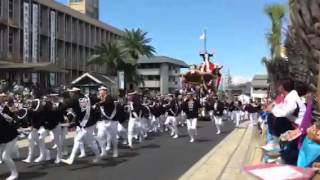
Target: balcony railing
[151, 83]
[149, 71]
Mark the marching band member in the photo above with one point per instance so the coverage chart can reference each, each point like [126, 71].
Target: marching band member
[53, 115]
[81, 105]
[191, 108]
[218, 114]
[237, 110]
[108, 114]
[209, 106]
[71, 118]
[156, 113]
[8, 139]
[36, 119]
[145, 119]
[171, 120]
[11, 108]
[134, 126]
[122, 117]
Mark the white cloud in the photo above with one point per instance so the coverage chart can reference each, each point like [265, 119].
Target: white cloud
[237, 79]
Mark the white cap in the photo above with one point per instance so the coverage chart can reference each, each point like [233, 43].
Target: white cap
[3, 94]
[103, 88]
[74, 89]
[132, 93]
[53, 95]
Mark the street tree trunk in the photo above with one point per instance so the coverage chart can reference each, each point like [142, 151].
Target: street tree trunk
[305, 17]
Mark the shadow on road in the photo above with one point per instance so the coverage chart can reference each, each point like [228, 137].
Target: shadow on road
[26, 175]
[204, 140]
[129, 155]
[104, 163]
[149, 146]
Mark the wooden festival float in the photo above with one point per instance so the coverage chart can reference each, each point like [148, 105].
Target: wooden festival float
[207, 74]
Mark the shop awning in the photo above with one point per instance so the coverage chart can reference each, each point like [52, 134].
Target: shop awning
[32, 67]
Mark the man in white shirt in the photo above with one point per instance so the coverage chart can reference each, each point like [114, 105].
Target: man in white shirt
[292, 108]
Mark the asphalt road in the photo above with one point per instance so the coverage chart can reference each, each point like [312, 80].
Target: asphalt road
[157, 158]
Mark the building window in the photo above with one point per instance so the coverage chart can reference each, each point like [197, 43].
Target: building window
[41, 16]
[11, 40]
[1, 39]
[10, 8]
[1, 7]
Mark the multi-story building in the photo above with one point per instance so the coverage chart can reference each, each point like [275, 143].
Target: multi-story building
[161, 73]
[234, 91]
[88, 7]
[260, 87]
[45, 41]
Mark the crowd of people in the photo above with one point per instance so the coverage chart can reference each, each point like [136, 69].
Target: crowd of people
[101, 121]
[292, 134]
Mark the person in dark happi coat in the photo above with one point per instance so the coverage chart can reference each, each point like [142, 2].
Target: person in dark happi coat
[191, 107]
[108, 127]
[171, 121]
[36, 118]
[8, 139]
[81, 105]
[218, 109]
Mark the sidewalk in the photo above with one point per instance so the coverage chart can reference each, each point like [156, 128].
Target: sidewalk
[226, 160]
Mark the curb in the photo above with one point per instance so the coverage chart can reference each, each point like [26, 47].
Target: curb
[227, 159]
[204, 165]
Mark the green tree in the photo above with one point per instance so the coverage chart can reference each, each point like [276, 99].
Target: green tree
[276, 13]
[276, 65]
[123, 54]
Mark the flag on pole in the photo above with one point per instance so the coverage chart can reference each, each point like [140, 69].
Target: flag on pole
[203, 36]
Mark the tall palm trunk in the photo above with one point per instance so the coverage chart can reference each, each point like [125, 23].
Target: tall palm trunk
[305, 17]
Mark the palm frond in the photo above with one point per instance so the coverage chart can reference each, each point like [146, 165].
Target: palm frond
[276, 13]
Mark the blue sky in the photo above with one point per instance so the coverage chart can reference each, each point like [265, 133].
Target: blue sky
[236, 28]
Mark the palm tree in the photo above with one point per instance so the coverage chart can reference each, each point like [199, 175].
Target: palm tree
[298, 66]
[276, 13]
[123, 54]
[136, 43]
[276, 65]
[305, 21]
[110, 54]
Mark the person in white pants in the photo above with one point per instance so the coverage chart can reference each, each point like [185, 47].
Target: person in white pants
[112, 139]
[6, 150]
[8, 138]
[171, 121]
[238, 110]
[251, 107]
[108, 131]
[53, 115]
[71, 118]
[35, 124]
[191, 107]
[218, 114]
[86, 122]
[155, 116]
[134, 125]
[85, 135]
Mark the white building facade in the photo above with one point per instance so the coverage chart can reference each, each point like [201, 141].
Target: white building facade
[161, 73]
[260, 86]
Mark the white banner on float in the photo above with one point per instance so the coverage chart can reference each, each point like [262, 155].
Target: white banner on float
[121, 79]
[35, 33]
[26, 32]
[53, 37]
